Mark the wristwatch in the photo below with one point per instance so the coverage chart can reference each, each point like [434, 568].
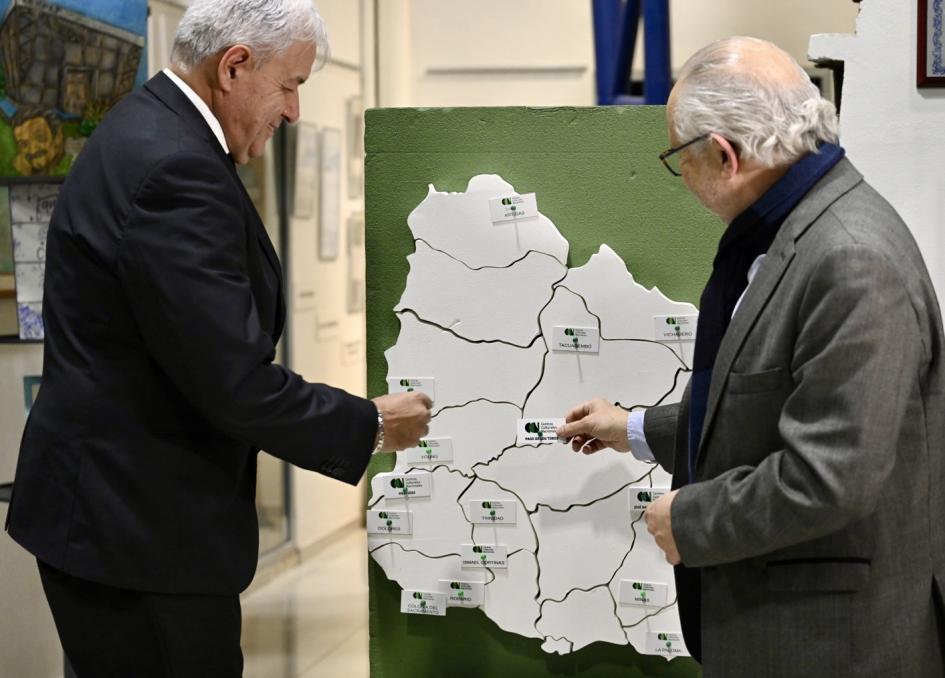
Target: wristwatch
[379, 440]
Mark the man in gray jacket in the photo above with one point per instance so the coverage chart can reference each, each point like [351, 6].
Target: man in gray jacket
[806, 514]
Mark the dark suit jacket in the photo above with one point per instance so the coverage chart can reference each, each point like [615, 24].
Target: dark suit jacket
[163, 305]
[816, 518]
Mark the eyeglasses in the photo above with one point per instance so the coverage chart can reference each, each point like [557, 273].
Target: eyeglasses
[673, 165]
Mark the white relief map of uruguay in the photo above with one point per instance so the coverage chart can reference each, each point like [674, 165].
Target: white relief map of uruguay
[547, 543]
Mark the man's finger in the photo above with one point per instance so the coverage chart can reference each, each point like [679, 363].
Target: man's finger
[593, 447]
[578, 412]
[568, 431]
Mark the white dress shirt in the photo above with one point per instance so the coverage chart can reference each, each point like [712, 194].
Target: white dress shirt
[201, 105]
[635, 436]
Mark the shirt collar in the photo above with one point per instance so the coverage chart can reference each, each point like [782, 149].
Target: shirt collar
[201, 106]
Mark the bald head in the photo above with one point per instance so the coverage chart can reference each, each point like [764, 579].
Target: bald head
[757, 96]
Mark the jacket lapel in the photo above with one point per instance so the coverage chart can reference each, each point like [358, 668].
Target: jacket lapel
[838, 181]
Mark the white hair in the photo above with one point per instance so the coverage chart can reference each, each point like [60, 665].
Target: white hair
[268, 27]
[769, 120]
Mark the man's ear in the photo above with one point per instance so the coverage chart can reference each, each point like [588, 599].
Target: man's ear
[728, 155]
[234, 62]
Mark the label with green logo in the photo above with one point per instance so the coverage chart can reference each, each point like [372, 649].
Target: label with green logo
[492, 512]
[429, 451]
[410, 384]
[670, 328]
[648, 593]
[484, 555]
[463, 593]
[538, 431]
[512, 208]
[404, 485]
[432, 603]
[573, 339]
[666, 643]
[387, 522]
[642, 496]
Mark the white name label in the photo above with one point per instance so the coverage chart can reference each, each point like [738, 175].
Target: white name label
[493, 512]
[410, 384]
[389, 522]
[463, 593]
[430, 451]
[675, 327]
[642, 496]
[645, 593]
[538, 431]
[404, 485]
[484, 555]
[664, 643]
[423, 602]
[570, 339]
[513, 208]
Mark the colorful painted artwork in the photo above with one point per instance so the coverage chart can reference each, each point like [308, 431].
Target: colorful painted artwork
[65, 64]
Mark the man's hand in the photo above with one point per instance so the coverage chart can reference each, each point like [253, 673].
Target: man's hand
[406, 419]
[659, 524]
[596, 419]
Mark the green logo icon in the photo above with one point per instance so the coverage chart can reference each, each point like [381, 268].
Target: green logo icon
[671, 321]
[383, 515]
[665, 638]
[637, 585]
[532, 427]
[460, 594]
[483, 557]
[406, 382]
[418, 595]
[397, 482]
[487, 504]
[454, 585]
[477, 549]
[644, 496]
[492, 513]
[506, 201]
[423, 603]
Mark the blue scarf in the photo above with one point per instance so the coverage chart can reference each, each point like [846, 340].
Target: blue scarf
[747, 237]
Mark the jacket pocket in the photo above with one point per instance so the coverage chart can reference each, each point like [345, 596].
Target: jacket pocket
[818, 574]
[755, 382]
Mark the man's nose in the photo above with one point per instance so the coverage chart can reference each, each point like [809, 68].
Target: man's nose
[291, 111]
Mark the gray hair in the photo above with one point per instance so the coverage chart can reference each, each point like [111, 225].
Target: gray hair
[268, 27]
[770, 121]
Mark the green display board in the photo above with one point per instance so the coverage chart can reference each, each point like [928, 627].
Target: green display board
[597, 177]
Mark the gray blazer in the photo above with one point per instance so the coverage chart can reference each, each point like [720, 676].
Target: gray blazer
[818, 515]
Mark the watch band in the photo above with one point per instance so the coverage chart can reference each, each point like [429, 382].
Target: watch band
[379, 440]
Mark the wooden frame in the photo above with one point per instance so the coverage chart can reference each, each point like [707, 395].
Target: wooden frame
[930, 52]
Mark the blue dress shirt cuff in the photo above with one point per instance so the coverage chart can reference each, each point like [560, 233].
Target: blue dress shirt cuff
[638, 445]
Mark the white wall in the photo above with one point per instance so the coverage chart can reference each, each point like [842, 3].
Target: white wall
[892, 131]
[541, 52]
[485, 53]
[321, 326]
[789, 23]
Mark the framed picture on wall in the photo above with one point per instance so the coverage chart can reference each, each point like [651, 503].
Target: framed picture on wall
[30, 209]
[355, 129]
[330, 226]
[931, 44]
[305, 187]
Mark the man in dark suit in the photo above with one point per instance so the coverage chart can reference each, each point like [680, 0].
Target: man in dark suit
[163, 306]
[807, 454]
